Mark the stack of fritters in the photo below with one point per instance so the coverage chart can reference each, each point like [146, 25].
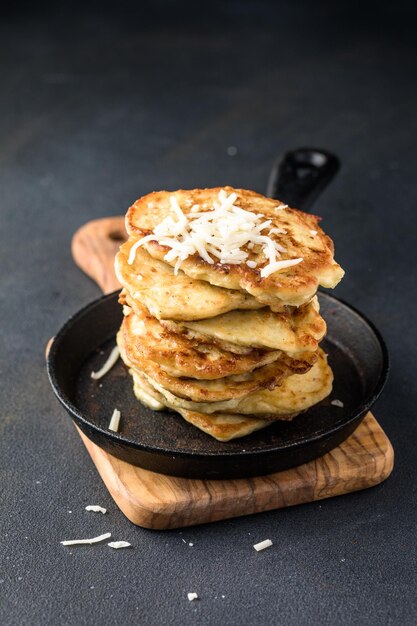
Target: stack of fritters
[229, 349]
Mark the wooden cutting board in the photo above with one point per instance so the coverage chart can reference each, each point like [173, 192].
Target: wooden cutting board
[158, 501]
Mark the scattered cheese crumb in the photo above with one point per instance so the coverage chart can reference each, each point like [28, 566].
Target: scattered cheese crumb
[74, 542]
[113, 356]
[251, 264]
[338, 403]
[191, 544]
[192, 596]
[262, 545]
[281, 207]
[119, 544]
[115, 421]
[95, 508]
[218, 235]
[313, 232]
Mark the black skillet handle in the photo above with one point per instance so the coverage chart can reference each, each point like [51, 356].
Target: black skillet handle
[301, 176]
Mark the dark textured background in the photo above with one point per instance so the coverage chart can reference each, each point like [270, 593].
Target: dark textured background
[101, 105]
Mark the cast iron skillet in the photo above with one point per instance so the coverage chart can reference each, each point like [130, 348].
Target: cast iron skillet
[164, 442]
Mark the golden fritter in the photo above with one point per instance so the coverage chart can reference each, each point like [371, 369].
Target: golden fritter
[265, 377]
[222, 427]
[296, 394]
[180, 356]
[179, 297]
[293, 330]
[296, 234]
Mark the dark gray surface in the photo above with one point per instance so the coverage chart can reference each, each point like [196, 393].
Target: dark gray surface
[100, 108]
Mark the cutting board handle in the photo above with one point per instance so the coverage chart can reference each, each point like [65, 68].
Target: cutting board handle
[94, 247]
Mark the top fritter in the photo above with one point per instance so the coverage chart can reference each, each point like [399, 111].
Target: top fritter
[236, 239]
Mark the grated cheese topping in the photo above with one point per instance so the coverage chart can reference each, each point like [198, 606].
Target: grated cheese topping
[218, 236]
[119, 544]
[267, 543]
[74, 542]
[115, 421]
[338, 403]
[111, 361]
[95, 508]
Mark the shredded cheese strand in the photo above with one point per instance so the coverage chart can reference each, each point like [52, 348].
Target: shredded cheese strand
[111, 361]
[115, 421]
[74, 542]
[119, 544]
[267, 543]
[278, 265]
[96, 508]
[192, 596]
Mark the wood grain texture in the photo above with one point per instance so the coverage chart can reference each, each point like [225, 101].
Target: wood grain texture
[94, 247]
[157, 501]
